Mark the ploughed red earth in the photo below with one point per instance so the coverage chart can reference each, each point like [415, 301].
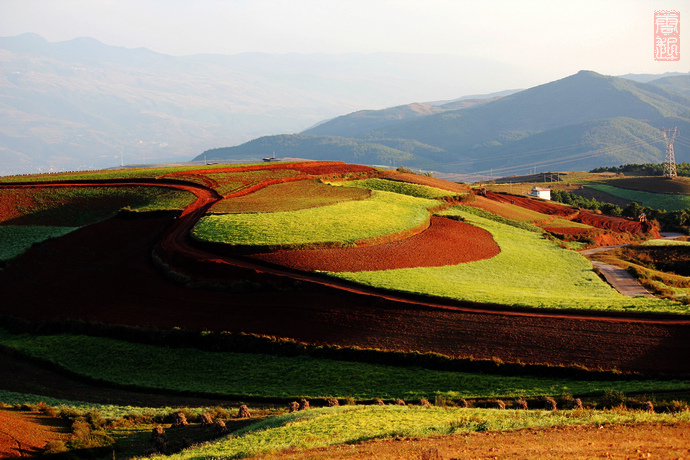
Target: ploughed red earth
[445, 242]
[104, 273]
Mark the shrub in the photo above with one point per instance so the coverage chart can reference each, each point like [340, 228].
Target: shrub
[463, 403]
[332, 402]
[54, 447]
[521, 404]
[379, 402]
[440, 401]
[649, 407]
[294, 406]
[498, 404]
[424, 402]
[613, 398]
[577, 403]
[399, 402]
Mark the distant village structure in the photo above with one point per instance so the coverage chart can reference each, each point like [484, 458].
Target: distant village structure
[540, 192]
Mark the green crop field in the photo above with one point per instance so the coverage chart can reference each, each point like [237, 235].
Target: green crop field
[403, 188]
[343, 223]
[289, 196]
[243, 375]
[352, 424]
[120, 173]
[530, 271]
[664, 201]
[16, 239]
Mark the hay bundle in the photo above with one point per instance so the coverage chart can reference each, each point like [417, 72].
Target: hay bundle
[179, 420]
[550, 404]
[303, 404]
[206, 419]
[521, 404]
[159, 439]
[219, 428]
[244, 412]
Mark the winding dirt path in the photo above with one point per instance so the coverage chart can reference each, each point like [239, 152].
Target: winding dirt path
[104, 273]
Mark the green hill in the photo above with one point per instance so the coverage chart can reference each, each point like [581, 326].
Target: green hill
[678, 83]
[580, 122]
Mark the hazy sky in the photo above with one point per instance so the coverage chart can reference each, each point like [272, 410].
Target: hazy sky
[554, 37]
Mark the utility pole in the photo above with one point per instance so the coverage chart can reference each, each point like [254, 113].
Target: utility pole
[670, 162]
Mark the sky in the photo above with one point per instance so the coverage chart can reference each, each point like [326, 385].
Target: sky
[555, 38]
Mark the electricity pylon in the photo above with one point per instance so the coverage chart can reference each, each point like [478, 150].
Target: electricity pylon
[670, 162]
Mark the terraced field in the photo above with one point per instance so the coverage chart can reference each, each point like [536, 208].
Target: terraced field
[393, 262]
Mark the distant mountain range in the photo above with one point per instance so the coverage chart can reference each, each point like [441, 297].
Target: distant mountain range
[580, 122]
[81, 104]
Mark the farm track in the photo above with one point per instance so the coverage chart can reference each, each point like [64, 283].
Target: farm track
[104, 273]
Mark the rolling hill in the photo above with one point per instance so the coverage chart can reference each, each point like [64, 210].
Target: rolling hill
[580, 122]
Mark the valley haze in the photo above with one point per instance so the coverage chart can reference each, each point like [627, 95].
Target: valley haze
[82, 104]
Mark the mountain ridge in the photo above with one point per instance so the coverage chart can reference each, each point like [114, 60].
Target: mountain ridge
[83, 104]
[595, 119]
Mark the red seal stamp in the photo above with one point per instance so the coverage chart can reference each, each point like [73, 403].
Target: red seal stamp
[666, 35]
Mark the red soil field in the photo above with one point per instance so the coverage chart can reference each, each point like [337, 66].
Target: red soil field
[425, 180]
[656, 441]
[616, 225]
[544, 207]
[25, 434]
[105, 273]
[445, 242]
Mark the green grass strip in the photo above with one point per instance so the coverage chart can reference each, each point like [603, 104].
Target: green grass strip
[665, 243]
[530, 271]
[16, 239]
[403, 188]
[662, 201]
[351, 424]
[239, 375]
[382, 214]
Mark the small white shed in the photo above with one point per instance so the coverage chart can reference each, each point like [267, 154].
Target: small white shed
[540, 192]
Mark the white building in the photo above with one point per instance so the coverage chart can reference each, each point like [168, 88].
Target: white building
[543, 193]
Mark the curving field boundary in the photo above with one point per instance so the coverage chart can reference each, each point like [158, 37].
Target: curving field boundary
[103, 273]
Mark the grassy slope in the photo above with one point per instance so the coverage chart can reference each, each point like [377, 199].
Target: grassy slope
[293, 196]
[404, 188]
[663, 201]
[351, 424]
[529, 271]
[242, 375]
[383, 214]
[16, 239]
